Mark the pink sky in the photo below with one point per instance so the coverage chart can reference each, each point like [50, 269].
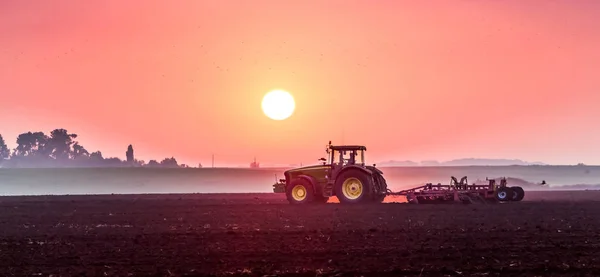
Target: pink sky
[410, 79]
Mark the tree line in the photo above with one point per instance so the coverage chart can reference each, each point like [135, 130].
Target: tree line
[61, 149]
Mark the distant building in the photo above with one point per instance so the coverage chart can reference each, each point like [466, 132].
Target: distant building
[254, 164]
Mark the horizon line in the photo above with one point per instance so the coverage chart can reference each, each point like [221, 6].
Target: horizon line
[291, 167]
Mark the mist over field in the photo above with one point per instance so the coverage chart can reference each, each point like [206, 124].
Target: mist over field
[26, 181]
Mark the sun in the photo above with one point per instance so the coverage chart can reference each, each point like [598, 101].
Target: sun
[278, 104]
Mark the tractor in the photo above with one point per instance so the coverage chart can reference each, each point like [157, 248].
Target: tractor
[344, 174]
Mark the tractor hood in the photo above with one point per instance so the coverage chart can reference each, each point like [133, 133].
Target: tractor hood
[317, 172]
[306, 168]
[320, 166]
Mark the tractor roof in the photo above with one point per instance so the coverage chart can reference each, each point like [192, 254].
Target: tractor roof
[347, 147]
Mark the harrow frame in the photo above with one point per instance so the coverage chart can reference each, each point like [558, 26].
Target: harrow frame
[461, 191]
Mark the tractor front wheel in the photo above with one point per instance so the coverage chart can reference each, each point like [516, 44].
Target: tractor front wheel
[300, 192]
[353, 186]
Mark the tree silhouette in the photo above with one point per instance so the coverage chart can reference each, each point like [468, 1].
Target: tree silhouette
[25, 145]
[139, 162]
[169, 162]
[79, 152]
[113, 161]
[96, 156]
[32, 144]
[61, 149]
[129, 154]
[60, 141]
[4, 152]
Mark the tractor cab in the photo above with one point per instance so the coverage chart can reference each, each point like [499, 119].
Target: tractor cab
[341, 156]
[346, 155]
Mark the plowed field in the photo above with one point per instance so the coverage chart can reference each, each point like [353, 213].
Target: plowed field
[548, 234]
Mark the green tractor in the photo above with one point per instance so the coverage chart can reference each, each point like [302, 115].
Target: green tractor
[344, 174]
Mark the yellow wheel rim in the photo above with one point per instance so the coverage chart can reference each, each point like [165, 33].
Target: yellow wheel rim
[352, 188]
[299, 192]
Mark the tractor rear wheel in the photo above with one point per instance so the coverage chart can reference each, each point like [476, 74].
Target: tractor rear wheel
[504, 194]
[380, 188]
[300, 192]
[519, 193]
[354, 186]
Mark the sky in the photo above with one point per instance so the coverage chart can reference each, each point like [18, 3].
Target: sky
[411, 80]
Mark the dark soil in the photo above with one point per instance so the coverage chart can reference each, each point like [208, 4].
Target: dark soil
[257, 235]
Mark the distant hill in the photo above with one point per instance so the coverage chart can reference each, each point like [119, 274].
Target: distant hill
[398, 163]
[473, 161]
[461, 162]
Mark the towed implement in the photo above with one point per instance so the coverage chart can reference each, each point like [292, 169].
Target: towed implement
[345, 175]
[463, 192]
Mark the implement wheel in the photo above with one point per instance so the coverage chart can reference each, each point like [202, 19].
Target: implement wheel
[353, 186]
[519, 194]
[504, 194]
[300, 192]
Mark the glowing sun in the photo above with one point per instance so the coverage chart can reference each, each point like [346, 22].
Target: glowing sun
[278, 104]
